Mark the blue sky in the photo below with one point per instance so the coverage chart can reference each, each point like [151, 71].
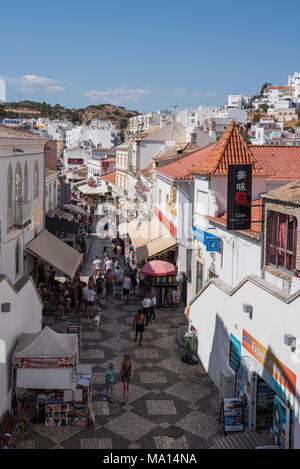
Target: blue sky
[145, 55]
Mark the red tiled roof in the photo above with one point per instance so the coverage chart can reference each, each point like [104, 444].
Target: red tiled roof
[182, 168]
[230, 149]
[281, 162]
[256, 216]
[111, 177]
[277, 87]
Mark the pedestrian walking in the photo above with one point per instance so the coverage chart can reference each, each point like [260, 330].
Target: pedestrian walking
[146, 307]
[104, 253]
[110, 381]
[117, 263]
[119, 280]
[99, 288]
[89, 294]
[108, 264]
[96, 267]
[133, 280]
[139, 323]
[126, 287]
[152, 307]
[126, 374]
[109, 283]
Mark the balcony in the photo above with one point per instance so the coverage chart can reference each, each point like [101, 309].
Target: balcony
[22, 214]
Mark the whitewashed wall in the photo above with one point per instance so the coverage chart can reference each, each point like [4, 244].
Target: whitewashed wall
[25, 316]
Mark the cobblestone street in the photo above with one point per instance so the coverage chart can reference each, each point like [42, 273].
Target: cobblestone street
[170, 404]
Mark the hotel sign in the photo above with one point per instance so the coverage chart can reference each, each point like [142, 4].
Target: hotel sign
[239, 191]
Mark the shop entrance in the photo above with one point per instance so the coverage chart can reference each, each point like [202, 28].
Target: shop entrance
[264, 409]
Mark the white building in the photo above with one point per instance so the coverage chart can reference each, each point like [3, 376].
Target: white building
[266, 132]
[51, 190]
[22, 219]
[2, 91]
[197, 116]
[250, 329]
[143, 122]
[237, 101]
[294, 81]
[100, 133]
[77, 156]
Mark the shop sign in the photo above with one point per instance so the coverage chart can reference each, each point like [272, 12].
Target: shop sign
[36, 217]
[171, 205]
[283, 380]
[235, 352]
[212, 244]
[206, 238]
[239, 191]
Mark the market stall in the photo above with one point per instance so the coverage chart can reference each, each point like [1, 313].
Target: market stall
[47, 362]
[161, 279]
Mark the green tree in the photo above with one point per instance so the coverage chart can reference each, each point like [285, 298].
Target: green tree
[256, 117]
[264, 107]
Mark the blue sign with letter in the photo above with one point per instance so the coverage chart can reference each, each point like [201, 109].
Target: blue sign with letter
[212, 244]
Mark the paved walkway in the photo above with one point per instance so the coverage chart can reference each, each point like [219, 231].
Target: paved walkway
[170, 404]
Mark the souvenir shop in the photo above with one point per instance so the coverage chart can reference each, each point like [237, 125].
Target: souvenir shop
[47, 364]
[267, 388]
[161, 279]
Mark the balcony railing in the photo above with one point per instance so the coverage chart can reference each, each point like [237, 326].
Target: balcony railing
[22, 215]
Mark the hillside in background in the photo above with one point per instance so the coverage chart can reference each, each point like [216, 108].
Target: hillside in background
[118, 115]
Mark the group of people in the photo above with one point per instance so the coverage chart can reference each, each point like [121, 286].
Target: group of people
[109, 274]
[125, 376]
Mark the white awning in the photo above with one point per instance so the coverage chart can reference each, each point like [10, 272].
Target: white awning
[150, 238]
[55, 252]
[75, 208]
[57, 378]
[62, 214]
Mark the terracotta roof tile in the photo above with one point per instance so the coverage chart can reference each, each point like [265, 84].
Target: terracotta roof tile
[286, 193]
[256, 216]
[110, 177]
[281, 162]
[230, 149]
[183, 167]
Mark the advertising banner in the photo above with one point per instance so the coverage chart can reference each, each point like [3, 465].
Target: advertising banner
[239, 190]
[235, 352]
[284, 380]
[280, 431]
[65, 193]
[233, 414]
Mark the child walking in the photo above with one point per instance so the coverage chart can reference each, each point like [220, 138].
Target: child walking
[110, 381]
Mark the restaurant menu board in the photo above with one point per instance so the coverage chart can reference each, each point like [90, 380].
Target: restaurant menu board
[233, 414]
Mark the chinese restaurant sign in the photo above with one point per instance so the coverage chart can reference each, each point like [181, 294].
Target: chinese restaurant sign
[239, 190]
[285, 378]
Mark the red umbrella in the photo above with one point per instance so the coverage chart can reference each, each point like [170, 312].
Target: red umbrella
[158, 268]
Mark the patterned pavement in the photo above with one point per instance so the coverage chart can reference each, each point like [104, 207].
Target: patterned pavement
[171, 405]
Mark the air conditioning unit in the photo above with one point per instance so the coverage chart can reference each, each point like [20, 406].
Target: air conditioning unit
[5, 307]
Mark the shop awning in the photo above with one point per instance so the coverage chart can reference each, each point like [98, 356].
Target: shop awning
[155, 247]
[63, 226]
[62, 214]
[55, 252]
[76, 209]
[58, 378]
[89, 190]
[150, 238]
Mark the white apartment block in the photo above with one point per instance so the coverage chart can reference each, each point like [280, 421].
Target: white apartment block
[266, 132]
[237, 101]
[100, 133]
[144, 122]
[294, 81]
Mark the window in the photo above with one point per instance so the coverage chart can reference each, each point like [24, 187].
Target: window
[199, 276]
[9, 197]
[55, 192]
[18, 184]
[159, 197]
[18, 256]
[26, 181]
[282, 240]
[36, 180]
